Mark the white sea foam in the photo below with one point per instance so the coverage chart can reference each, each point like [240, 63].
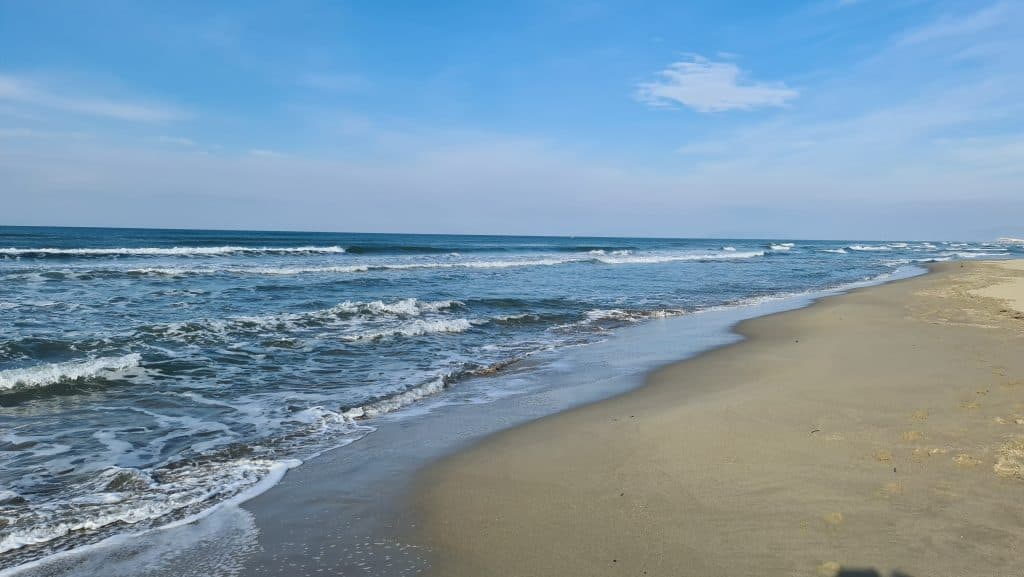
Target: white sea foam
[408, 307]
[1010, 240]
[49, 374]
[172, 251]
[597, 315]
[868, 248]
[834, 250]
[973, 254]
[729, 248]
[289, 270]
[184, 488]
[667, 258]
[398, 401]
[615, 257]
[347, 313]
[415, 328]
[782, 246]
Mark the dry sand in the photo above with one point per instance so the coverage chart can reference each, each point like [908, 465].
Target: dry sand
[881, 429]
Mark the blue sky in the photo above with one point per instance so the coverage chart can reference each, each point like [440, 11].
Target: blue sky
[821, 119]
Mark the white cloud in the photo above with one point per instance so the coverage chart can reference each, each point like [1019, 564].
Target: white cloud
[27, 92]
[708, 86]
[951, 26]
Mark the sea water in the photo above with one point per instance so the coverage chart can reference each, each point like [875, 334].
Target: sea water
[148, 375]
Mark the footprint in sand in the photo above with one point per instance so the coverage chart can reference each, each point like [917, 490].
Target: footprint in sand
[921, 415]
[882, 456]
[911, 436]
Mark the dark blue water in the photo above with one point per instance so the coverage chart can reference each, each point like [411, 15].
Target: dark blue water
[146, 375]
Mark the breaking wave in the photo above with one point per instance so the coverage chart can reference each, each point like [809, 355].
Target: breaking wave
[348, 312]
[171, 251]
[415, 329]
[612, 258]
[51, 374]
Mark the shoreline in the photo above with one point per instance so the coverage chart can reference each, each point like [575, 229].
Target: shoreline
[258, 534]
[304, 489]
[539, 498]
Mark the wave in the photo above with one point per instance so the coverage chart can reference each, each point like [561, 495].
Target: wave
[631, 316]
[613, 258]
[484, 247]
[399, 400]
[782, 246]
[414, 329]
[1010, 240]
[51, 374]
[402, 399]
[171, 251]
[602, 252]
[126, 496]
[345, 312]
[657, 259]
[834, 250]
[410, 307]
[868, 248]
[967, 254]
[262, 270]
[604, 319]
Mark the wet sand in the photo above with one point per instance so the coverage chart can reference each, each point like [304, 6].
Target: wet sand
[881, 429]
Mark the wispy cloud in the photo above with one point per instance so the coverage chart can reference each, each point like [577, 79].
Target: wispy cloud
[951, 26]
[28, 92]
[178, 140]
[708, 86]
[266, 153]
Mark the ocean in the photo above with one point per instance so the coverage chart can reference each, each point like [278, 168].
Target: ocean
[148, 375]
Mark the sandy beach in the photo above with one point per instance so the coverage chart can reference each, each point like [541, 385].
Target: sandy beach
[882, 430]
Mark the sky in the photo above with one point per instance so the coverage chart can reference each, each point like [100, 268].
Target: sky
[850, 119]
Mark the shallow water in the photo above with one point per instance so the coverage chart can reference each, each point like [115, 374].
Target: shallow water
[147, 375]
